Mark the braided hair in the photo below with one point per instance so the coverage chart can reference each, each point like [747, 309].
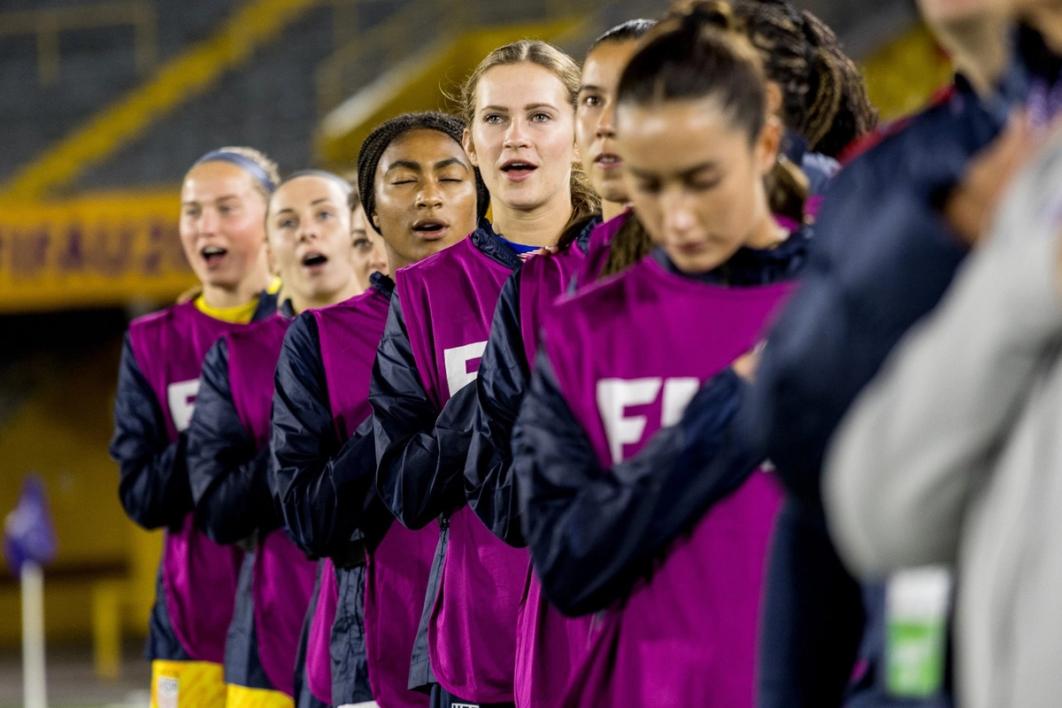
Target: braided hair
[824, 98]
[384, 134]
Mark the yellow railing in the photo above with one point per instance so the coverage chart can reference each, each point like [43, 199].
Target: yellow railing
[186, 75]
[47, 24]
[402, 36]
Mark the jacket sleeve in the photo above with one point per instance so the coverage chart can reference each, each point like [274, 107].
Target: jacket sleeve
[860, 293]
[153, 483]
[227, 471]
[420, 451]
[593, 531]
[926, 435]
[321, 483]
[490, 486]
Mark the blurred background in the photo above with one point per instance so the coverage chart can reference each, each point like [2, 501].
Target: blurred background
[103, 105]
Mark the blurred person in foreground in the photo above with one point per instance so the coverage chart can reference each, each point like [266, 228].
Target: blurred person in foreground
[949, 456]
[886, 251]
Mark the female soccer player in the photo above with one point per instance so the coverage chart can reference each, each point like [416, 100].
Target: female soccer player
[622, 360]
[519, 103]
[412, 172]
[223, 205]
[311, 243]
[545, 644]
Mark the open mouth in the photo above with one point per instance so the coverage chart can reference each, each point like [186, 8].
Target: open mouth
[518, 170]
[430, 228]
[608, 160]
[314, 259]
[212, 254]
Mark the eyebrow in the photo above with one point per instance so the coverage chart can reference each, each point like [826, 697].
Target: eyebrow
[407, 164]
[416, 166]
[528, 107]
[589, 87]
[710, 165]
[450, 161]
[197, 202]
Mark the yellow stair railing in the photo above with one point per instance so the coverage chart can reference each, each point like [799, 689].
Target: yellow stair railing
[190, 73]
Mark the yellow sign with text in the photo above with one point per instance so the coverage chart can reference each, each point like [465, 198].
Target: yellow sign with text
[103, 250]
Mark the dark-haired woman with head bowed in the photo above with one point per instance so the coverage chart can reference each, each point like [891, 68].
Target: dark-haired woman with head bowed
[412, 170]
[546, 643]
[670, 549]
[824, 103]
[223, 206]
[519, 104]
[310, 240]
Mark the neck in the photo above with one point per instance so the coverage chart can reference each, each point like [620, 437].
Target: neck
[610, 210]
[301, 303]
[1048, 22]
[979, 50]
[395, 259]
[541, 226]
[767, 234]
[221, 297]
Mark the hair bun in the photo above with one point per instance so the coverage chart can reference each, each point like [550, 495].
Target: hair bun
[696, 14]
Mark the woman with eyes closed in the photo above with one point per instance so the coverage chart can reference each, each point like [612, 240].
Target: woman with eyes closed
[666, 542]
[421, 195]
[223, 205]
[519, 105]
[546, 642]
[308, 236]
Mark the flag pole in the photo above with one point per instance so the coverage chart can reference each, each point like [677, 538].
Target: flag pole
[33, 684]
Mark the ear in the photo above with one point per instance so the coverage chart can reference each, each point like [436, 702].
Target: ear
[774, 99]
[374, 221]
[470, 147]
[768, 144]
[271, 262]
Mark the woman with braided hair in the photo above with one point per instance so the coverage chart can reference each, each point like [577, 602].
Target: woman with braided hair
[519, 104]
[412, 172]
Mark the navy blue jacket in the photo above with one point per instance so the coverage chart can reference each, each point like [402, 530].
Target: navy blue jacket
[322, 485]
[227, 470]
[153, 484]
[504, 374]
[882, 260]
[420, 450]
[592, 532]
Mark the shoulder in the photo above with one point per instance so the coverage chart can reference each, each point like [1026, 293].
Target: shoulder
[160, 319]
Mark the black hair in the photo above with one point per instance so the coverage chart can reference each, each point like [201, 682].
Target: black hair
[698, 54]
[374, 146]
[623, 32]
[824, 98]
[703, 51]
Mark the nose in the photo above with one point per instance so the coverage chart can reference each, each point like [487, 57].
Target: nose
[207, 223]
[430, 195]
[679, 215]
[515, 135]
[605, 122]
[307, 232]
[378, 259]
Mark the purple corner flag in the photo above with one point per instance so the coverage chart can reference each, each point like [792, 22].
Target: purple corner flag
[28, 532]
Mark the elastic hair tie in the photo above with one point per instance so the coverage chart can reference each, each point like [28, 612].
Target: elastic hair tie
[248, 165]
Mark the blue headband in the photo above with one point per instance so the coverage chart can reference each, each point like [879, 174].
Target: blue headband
[248, 165]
